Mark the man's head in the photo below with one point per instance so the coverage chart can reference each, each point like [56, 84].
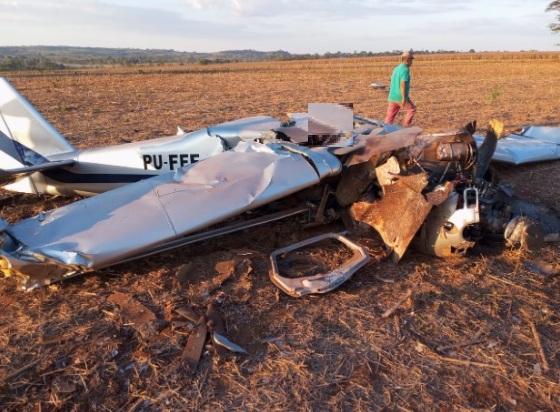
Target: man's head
[407, 57]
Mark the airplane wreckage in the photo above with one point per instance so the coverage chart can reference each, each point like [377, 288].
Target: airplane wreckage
[435, 191]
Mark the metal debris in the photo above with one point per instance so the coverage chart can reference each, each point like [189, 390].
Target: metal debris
[322, 282]
[532, 144]
[523, 232]
[195, 344]
[399, 214]
[444, 231]
[399, 182]
[377, 86]
[187, 314]
[211, 323]
[227, 344]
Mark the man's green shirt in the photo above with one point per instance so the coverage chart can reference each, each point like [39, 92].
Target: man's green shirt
[400, 73]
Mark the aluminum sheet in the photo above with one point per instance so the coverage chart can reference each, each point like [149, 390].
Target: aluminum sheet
[533, 144]
[112, 226]
[20, 121]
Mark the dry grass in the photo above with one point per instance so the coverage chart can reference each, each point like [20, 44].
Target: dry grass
[464, 341]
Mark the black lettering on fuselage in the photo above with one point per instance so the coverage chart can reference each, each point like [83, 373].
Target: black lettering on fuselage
[147, 160]
[183, 159]
[158, 161]
[173, 160]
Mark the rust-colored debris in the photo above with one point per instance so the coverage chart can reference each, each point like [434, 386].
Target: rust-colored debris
[211, 323]
[399, 214]
[195, 344]
[376, 145]
[439, 195]
[134, 313]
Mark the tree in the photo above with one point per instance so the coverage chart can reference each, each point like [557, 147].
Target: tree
[555, 6]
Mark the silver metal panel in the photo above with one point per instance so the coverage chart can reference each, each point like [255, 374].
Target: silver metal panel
[325, 163]
[130, 155]
[249, 128]
[534, 144]
[20, 121]
[543, 133]
[321, 282]
[107, 228]
[330, 118]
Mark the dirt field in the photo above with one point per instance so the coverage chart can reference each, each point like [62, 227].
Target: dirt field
[467, 339]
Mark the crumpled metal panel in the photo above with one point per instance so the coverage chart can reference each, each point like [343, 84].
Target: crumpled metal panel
[297, 131]
[399, 214]
[324, 163]
[249, 128]
[533, 144]
[377, 142]
[105, 229]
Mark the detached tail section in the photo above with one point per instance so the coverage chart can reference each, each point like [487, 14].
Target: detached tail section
[27, 141]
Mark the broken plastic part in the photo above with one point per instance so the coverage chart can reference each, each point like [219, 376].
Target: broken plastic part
[322, 282]
[443, 231]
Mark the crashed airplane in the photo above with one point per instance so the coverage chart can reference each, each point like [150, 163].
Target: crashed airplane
[36, 158]
[434, 191]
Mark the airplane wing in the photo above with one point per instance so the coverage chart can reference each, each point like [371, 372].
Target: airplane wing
[109, 228]
[533, 144]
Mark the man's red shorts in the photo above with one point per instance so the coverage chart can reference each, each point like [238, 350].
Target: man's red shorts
[394, 108]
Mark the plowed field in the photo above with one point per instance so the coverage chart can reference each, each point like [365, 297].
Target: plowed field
[467, 338]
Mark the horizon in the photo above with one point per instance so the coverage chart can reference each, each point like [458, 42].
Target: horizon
[382, 52]
[295, 26]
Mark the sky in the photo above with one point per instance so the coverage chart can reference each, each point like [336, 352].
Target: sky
[297, 26]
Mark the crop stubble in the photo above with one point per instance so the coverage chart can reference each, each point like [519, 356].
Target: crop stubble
[67, 347]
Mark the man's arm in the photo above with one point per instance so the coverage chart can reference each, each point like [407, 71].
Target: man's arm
[403, 93]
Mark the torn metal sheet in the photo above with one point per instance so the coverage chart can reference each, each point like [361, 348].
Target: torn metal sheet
[322, 282]
[377, 143]
[109, 228]
[399, 214]
[329, 122]
[247, 129]
[532, 144]
[388, 173]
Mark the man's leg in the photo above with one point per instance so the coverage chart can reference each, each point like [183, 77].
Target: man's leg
[410, 112]
[392, 111]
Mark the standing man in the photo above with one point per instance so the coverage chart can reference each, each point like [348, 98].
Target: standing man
[399, 92]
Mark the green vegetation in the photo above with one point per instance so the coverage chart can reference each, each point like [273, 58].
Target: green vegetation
[12, 63]
[56, 57]
[555, 7]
